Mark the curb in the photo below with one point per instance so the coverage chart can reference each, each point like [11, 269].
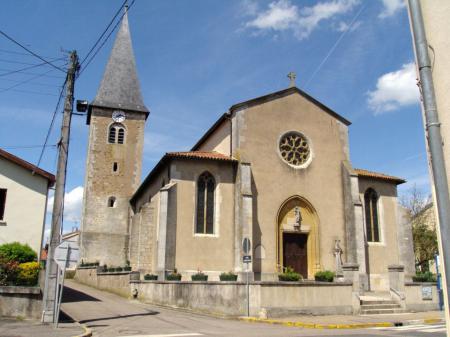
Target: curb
[339, 326]
[87, 332]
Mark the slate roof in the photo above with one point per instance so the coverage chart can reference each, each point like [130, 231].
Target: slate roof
[379, 176]
[28, 166]
[119, 88]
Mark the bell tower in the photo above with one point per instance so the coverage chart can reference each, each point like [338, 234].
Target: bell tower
[116, 120]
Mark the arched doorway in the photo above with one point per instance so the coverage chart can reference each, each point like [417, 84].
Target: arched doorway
[297, 237]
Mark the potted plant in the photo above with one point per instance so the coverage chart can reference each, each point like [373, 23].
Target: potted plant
[173, 276]
[199, 276]
[324, 276]
[150, 277]
[289, 275]
[230, 276]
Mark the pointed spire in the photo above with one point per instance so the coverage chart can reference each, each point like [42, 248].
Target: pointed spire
[120, 87]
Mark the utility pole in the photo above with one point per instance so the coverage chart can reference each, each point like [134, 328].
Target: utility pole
[51, 271]
[434, 139]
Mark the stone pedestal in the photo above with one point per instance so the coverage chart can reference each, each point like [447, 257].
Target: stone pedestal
[397, 277]
[351, 273]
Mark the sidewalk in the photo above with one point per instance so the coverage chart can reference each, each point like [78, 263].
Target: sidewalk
[353, 322]
[19, 328]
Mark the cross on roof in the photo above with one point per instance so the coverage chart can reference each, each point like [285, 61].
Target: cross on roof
[291, 77]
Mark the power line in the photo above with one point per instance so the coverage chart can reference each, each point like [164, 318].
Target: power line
[10, 72]
[25, 81]
[32, 83]
[29, 51]
[13, 52]
[52, 122]
[13, 147]
[17, 62]
[31, 92]
[106, 39]
[20, 71]
[104, 32]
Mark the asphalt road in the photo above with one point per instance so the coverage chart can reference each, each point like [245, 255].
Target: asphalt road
[111, 315]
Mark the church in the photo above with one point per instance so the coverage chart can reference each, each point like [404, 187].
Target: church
[274, 170]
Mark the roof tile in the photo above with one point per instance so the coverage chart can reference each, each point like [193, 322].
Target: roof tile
[213, 155]
[381, 176]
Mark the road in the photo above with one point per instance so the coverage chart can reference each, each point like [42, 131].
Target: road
[111, 315]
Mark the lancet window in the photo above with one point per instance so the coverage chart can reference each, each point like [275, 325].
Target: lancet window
[372, 219]
[206, 186]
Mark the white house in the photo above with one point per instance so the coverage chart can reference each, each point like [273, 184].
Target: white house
[23, 200]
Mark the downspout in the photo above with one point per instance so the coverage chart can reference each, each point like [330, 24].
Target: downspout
[433, 134]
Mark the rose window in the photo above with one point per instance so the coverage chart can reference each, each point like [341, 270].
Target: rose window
[294, 148]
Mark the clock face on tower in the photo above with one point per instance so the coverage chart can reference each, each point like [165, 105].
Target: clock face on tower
[118, 116]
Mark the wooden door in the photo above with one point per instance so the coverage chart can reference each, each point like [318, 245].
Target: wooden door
[295, 252]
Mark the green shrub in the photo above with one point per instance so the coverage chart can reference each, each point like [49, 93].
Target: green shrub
[173, 276]
[150, 277]
[119, 269]
[70, 274]
[289, 275]
[199, 276]
[111, 269]
[127, 268]
[230, 276]
[18, 252]
[28, 274]
[324, 276]
[8, 272]
[424, 277]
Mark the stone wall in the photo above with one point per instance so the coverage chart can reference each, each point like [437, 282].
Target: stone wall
[117, 282]
[21, 302]
[414, 300]
[142, 238]
[315, 298]
[266, 298]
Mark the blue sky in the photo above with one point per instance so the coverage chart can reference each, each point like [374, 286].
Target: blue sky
[197, 58]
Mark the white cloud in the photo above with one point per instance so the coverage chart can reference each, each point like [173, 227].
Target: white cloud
[390, 7]
[395, 90]
[282, 15]
[73, 201]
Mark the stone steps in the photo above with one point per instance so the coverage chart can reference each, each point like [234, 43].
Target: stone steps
[381, 304]
[377, 302]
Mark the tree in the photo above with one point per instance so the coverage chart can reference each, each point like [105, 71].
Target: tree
[423, 227]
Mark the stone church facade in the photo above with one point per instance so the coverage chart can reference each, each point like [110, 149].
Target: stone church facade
[275, 169]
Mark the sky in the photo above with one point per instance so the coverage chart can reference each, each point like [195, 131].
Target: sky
[197, 58]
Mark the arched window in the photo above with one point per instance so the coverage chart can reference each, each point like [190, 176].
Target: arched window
[116, 134]
[112, 202]
[371, 210]
[205, 204]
